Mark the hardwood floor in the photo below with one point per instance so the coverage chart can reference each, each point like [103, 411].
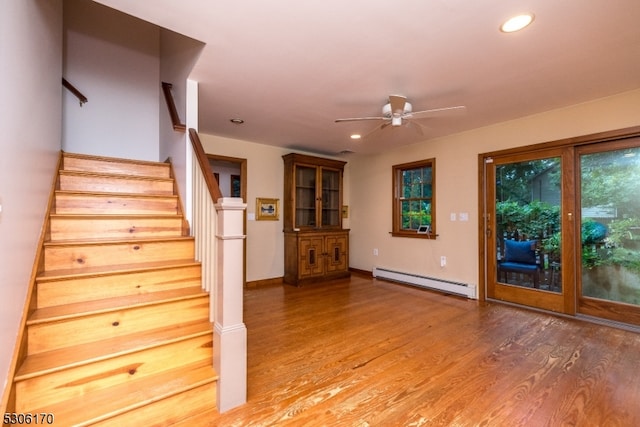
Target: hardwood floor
[362, 352]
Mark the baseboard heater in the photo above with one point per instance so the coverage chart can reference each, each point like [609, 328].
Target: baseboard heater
[448, 286]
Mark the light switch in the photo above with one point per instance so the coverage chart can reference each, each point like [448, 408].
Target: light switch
[464, 216]
[453, 216]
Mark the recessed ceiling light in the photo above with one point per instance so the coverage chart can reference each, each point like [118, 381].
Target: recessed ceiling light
[236, 121]
[517, 23]
[356, 136]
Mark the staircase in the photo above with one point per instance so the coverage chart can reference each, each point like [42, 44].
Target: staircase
[120, 334]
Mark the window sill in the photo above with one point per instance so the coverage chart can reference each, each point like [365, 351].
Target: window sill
[413, 235]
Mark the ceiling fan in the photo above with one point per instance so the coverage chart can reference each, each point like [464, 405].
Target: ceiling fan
[398, 110]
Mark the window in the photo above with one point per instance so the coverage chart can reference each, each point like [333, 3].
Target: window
[414, 200]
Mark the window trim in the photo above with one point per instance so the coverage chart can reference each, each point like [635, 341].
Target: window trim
[396, 200]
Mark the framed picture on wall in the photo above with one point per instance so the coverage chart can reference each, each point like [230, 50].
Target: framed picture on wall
[267, 209]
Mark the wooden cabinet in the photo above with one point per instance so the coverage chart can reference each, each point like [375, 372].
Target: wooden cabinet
[316, 245]
[316, 256]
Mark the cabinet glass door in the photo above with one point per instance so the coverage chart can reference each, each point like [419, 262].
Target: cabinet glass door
[330, 198]
[305, 196]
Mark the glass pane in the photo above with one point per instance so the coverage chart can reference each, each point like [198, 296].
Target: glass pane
[330, 180]
[305, 196]
[417, 191]
[610, 225]
[330, 198]
[528, 231]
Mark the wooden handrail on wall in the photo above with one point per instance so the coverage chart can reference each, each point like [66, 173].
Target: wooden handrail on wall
[173, 112]
[203, 161]
[83, 99]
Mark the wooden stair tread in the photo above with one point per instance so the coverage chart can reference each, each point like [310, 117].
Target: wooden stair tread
[83, 354]
[100, 405]
[115, 194]
[115, 202]
[112, 241]
[71, 273]
[114, 159]
[114, 216]
[116, 176]
[203, 419]
[87, 308]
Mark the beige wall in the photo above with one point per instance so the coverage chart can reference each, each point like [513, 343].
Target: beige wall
[368, 190]
[265, 174]
[457, 187]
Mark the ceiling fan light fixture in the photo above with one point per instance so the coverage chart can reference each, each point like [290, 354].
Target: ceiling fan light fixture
[396, 120]
[517, 23]
[386, 109]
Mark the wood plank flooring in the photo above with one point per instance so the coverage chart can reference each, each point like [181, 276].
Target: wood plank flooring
[362, 352]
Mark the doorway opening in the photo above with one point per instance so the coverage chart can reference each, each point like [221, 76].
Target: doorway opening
[231, 175]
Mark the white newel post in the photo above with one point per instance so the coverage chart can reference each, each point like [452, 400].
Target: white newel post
[230, 333]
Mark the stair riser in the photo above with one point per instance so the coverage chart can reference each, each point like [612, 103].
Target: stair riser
[114, 184]
[85, 256]
[72, 203]
[168, 411]
[72, 383]
[70, 228]
[89, 164]
[94, 328]
[70, 291]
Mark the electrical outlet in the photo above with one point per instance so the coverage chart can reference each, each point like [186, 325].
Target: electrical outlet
[443, 261]
[375, 252]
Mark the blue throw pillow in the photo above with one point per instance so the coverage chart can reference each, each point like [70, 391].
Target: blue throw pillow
[523, 252]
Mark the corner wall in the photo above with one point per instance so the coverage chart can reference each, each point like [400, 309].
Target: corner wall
[30, 119]
[114, 60]
[178, 55]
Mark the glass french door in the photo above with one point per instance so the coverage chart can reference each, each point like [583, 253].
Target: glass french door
[527, 223]
[563, 229]
[609, 244]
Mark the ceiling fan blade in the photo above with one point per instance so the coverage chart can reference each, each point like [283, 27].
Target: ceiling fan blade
[375, 129]
[416, 126]
[357, 119]
[437, 112]
[397, 103]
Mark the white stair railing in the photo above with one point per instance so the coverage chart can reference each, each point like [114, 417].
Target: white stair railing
[203, 227]
[217, 225]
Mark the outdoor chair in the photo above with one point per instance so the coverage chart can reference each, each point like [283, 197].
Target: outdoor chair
[520, 257]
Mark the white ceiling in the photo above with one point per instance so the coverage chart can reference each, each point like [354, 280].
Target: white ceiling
[290, 67]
